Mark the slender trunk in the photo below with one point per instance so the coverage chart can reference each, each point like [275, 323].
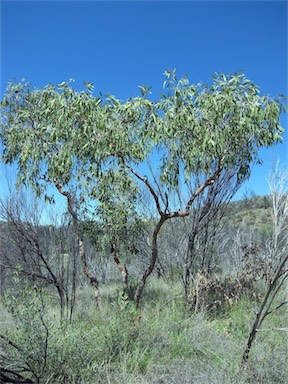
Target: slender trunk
[251, 336]
[188, 264]
[122, 267]
[73, 289]
[264, 310]
[153, 259]
[164, 215]
[61, 294]
[92, 279]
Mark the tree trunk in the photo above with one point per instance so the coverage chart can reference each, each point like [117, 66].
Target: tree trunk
[188, 264]
[264, 307]
[153, 259]
[92, 279]
[251, 338]
[122, 267]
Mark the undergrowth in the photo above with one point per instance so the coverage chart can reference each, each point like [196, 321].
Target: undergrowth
[170, 344]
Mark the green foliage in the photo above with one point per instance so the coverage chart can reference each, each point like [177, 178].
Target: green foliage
[227, 121]
[41, 129]
[59, 133]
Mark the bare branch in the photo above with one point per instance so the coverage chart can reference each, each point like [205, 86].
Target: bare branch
[145, 181]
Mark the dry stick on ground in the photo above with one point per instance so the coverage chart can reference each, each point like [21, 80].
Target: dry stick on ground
[92, 279]
[6, 376]
[15, 372]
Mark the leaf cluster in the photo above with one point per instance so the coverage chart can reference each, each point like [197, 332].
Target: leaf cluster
[90, 144]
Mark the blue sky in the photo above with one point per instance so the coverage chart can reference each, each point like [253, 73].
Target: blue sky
[120, 45]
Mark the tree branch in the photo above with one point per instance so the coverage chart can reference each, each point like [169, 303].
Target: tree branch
[200, 189]
[145, 181]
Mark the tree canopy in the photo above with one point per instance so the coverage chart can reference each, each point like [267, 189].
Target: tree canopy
[74, 137]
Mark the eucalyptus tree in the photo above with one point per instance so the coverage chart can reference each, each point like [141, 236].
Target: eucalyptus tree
[51, 134]
[84, 145]
[42, 130]
[197, 130]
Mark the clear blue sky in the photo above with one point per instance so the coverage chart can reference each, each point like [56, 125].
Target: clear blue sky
[120, 45]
